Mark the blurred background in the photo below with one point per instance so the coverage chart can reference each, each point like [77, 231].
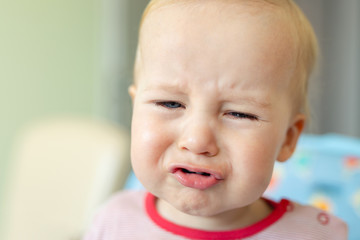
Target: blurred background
[75, 58]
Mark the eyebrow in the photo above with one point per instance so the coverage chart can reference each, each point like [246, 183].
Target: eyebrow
[253, 101]
[162, 87]
[246, 96]
[175, 88]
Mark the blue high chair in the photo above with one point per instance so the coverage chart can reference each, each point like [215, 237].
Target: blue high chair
[324, 172]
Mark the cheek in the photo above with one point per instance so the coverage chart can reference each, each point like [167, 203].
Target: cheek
[149, 141]
[257, 165]
[255, 158]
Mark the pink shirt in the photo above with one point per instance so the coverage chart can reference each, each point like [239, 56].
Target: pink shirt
[132, 215]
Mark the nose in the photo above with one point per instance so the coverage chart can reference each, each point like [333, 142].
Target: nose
[198, 137]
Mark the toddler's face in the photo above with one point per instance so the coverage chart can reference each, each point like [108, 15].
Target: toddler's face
[212, 110]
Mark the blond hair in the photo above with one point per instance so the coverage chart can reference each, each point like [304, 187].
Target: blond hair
[304, 36]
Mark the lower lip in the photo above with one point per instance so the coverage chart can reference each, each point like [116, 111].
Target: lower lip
[196, 181]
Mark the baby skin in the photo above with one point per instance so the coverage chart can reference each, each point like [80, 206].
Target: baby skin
[213, 109]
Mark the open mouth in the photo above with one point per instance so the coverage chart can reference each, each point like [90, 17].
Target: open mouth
[195, 177]
[184, 170]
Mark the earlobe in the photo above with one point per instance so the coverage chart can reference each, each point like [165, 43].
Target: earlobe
[132, 91]
[292, 135]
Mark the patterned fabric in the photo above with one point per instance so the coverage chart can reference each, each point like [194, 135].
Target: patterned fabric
[132, 215]
[323, 172]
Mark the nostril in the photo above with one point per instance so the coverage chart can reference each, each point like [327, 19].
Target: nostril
[199, 139]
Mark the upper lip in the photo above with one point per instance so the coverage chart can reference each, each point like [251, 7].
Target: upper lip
[216, 174]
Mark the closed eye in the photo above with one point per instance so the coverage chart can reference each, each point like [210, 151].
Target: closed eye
[169, 104]
[239, 115]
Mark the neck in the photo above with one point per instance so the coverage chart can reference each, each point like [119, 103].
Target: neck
[229, 220]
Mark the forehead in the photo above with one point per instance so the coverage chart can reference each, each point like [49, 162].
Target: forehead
[182, 18]
[211, 35]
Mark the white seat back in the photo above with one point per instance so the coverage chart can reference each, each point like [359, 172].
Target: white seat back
[62, 170]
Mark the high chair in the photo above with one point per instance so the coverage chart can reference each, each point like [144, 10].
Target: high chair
[324, 172]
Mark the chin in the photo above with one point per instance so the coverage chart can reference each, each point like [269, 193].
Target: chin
[196, 205]
[197, 211]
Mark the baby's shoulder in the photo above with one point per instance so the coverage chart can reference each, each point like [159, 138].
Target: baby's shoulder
[122, 213]
[307, 222]
[123, 205]
[127, 199]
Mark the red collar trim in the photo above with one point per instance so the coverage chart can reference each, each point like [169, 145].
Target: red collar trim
[277, 213]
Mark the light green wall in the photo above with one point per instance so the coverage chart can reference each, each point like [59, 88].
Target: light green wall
[49, 64]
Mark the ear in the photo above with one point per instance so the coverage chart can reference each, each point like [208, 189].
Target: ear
[292, 135]
[132, 91]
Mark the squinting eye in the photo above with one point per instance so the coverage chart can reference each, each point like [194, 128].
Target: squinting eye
[169, 104]
[243, 115]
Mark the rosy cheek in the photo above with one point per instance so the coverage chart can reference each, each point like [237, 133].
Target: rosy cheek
[149, 139]
[254, 162]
